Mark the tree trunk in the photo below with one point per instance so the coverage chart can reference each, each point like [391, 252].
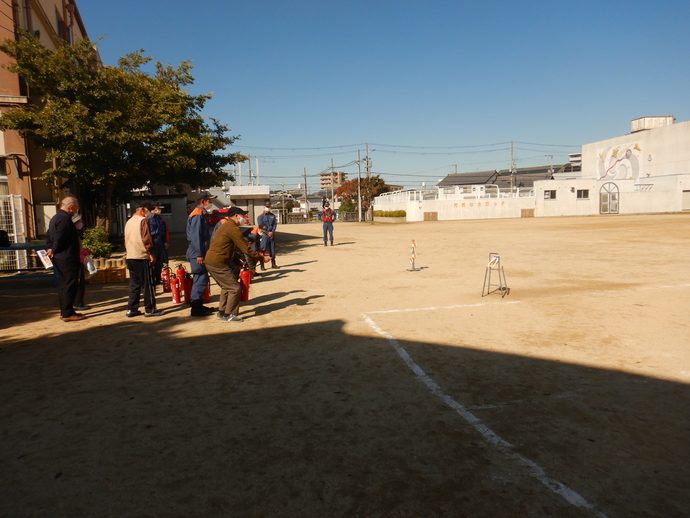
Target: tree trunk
[105, 208]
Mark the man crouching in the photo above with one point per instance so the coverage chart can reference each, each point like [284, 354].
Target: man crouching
[222, 263]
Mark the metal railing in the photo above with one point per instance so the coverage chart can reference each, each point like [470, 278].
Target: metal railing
[12, 222]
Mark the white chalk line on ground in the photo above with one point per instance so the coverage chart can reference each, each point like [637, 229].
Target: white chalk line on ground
[436, 308]
[501, 444]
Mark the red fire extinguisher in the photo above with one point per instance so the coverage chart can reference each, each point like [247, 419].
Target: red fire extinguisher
[180, 272]
[175, 288]
[187, 288]
[245, 279]
[165, 278]
[207, 293]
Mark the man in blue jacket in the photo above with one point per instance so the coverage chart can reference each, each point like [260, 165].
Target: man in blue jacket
[160, 236]
[198, 237]
[268, 242]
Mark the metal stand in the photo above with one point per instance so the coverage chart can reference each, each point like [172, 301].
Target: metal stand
[495, 265]
[413, 256]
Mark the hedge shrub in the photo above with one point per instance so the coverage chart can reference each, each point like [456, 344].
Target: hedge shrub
[390, 213]
[96, 240]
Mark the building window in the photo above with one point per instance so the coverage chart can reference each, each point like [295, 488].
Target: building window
[549, 195]
[583, 194]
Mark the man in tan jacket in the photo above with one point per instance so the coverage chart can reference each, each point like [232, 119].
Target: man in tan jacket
[222, 263]
[140, 259]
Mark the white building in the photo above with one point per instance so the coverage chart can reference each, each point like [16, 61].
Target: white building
[645, 171]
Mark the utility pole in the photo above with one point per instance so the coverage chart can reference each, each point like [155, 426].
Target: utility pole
[332, 182]
[282, 202]
[249, 161]
[368, 166]
[359, 187]
[306, 200]
[512, 165]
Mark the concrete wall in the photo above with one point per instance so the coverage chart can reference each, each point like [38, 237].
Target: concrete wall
[649, 170]
[639, 156]
[417, 208]
[656, 194]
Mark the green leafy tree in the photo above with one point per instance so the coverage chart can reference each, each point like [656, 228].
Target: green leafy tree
[348, 206]
[369, 187]
[110, 129]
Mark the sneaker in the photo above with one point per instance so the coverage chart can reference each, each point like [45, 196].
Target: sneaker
[81, 308]
[155, 313]
[232, 318]
[133, 313]
[221, 316]
[73, 318]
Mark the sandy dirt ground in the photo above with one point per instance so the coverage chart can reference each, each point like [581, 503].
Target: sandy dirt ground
[357, 388]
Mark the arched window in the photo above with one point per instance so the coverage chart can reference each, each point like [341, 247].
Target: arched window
[608, 198]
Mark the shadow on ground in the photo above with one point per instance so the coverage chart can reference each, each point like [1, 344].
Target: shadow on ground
[308, 420]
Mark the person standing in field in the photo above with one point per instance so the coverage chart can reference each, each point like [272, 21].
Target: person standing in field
[268, 240]
[64, 248]
[198, 237]
[140, 259]
[161, 238]
[223, 263]
[327, 216]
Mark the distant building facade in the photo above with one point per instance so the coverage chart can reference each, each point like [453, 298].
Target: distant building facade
[334, 179]
[644, 171]
[53, 22]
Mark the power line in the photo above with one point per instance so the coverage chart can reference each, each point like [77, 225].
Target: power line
[549, 145]
[440, 153]
[302, 148]
[292, 157]
[441, 147]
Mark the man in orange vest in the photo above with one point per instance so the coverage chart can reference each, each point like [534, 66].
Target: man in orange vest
[327, 216]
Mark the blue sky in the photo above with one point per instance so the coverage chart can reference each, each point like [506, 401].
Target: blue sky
[431, 85]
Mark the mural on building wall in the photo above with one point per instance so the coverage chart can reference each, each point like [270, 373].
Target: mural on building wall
[620, 162]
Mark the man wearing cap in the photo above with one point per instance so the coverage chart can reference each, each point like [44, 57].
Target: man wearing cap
[327, 216]
[140, 259]
[222, 262]
[198, 236]
[268, 242]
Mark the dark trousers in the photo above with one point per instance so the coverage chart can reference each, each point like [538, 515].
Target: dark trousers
[199, 279]
[161, 255]
[79, 300]
[228, 280]
[268, 245]
[68, 284]
[327, 229]
[141, 279]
